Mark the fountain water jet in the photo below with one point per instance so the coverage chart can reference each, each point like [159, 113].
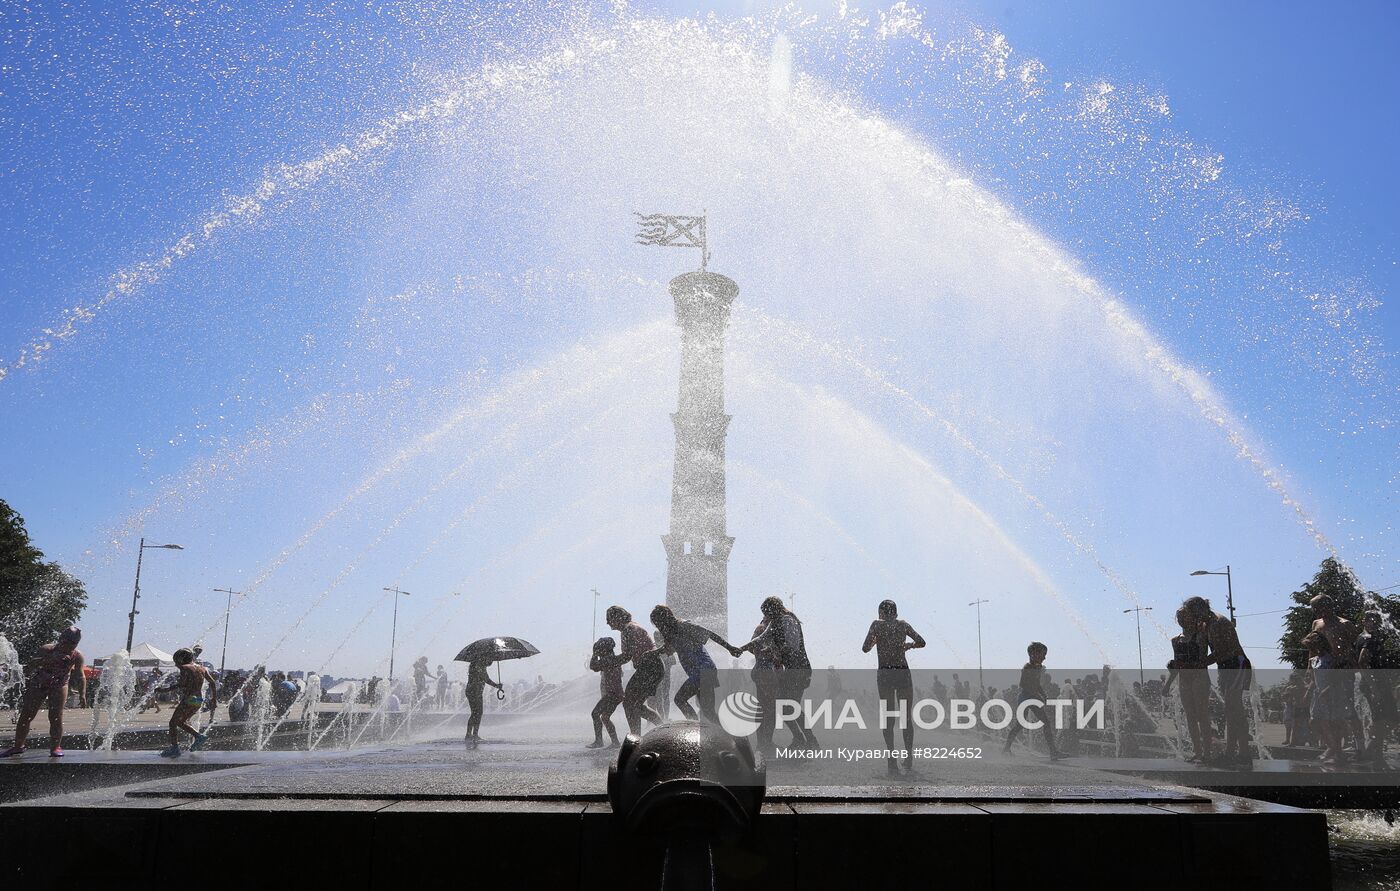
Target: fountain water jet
[116, 688]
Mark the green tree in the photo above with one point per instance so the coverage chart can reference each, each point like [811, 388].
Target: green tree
[37, 599]
[1351, 600]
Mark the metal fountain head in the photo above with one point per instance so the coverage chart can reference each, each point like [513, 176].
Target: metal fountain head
[686, 786]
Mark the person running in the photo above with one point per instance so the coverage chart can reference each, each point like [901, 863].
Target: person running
[1032, 687]
[52, 666]
[609, 667]
[1189, 664]
[892, 637]
[1377, 658]
[781, 634]
[687, 640]
[190, 689]
[1233, 675]
[647, 669]
[478, 678]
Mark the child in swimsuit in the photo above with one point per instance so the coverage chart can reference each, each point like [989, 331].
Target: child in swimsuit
[609, 666]
[193, 677]
[54, 664]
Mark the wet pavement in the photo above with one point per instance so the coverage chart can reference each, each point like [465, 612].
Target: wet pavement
[529, 808]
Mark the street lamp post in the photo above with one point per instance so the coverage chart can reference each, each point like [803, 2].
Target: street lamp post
[394, 632]
[1229, 589]
[1142, 678]
[228, 607]
[136, 592]
[596, 595]
[978, 603]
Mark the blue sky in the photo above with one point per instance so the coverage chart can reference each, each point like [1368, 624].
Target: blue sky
[127, 125]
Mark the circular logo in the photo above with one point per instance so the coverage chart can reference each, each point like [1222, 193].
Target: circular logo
[738, 713]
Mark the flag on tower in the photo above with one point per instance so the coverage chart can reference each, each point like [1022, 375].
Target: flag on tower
[673, 231]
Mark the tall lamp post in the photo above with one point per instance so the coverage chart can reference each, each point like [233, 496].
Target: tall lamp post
[228, 607]
[394, 632]
[1142, 678]
[1229, 589]
[136, 592]
[978, 603]
[596, 595]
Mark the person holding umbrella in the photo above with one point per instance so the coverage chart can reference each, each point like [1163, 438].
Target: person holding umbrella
[479, 655]
[478, 676]
[687, 640]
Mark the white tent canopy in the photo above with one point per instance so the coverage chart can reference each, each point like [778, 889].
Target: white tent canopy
[337, 693]
[144, 655]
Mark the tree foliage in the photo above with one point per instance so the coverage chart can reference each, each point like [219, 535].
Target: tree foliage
[37, 598]
[1351, 601]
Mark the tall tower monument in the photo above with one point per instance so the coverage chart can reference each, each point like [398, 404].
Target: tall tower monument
[698, 543]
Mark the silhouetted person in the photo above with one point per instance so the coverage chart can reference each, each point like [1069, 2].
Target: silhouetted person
[661, 699]
[647, 669]
[444, 683]
[782, 635]
[687, 640]
[835, 689]
[940, 690]
[190, 687]
[609, 667]
[1329, 712]
[420, 680]
[1188, 664]
[53, 664]
[892, 637]
[1032, 690]
[478, 678]
[1341, 636]
[1378, 658]
[1233, 670]
[764, 675]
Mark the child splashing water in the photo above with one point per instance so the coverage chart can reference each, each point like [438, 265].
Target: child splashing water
[193, 677]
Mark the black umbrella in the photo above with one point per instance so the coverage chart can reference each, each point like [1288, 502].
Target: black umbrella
[497, 649]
